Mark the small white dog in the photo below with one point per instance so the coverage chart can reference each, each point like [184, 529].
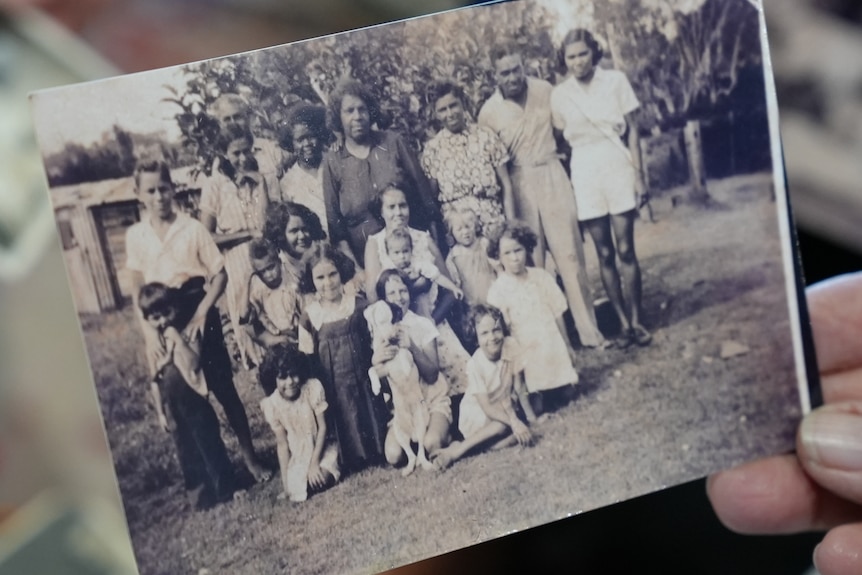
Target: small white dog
[410, 413]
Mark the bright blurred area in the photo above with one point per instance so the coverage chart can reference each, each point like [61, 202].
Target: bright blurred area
[57, 492]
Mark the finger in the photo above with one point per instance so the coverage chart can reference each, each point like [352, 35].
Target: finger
[830, 448]
[842, 386]
[835, 307]
[775, 496]
[840, 552]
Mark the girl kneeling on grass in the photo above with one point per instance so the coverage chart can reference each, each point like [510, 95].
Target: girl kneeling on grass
[295, 409]
[180, 385]
[495, 373]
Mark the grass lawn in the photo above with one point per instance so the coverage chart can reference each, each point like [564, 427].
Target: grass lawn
[644, 418]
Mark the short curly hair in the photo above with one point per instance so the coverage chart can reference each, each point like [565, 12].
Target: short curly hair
[514, 230]
[398, 234]
[463, 214]
[357, 90]
[446, 87]
[324, 252]
[279, 215]
[475, 315]
[504, 49]
[261, 250]
[282, 361]
[309, 115]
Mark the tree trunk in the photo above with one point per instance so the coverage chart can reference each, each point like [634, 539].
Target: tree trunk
[696, 167]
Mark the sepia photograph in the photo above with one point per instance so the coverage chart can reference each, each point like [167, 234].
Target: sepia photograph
[362, 300]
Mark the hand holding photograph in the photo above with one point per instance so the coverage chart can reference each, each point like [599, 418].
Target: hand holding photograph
[365, 299]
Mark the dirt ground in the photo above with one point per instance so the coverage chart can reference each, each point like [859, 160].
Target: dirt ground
[644, 418]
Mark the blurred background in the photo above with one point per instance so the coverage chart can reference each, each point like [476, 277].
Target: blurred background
[59, 509]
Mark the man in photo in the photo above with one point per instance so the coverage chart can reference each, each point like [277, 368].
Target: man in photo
[519, 112]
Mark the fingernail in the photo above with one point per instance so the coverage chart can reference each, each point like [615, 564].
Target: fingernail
[833, 439]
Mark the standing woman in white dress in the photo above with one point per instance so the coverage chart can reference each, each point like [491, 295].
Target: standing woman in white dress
[593, 107]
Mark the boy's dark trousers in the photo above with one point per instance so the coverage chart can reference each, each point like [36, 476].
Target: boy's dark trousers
[201, 452]
[214, 358]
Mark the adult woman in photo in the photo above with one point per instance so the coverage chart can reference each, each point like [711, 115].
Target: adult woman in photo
[305, 136]
[466, 163]
[593, 107]
[354, 175]
[394, 212]
[233, 208]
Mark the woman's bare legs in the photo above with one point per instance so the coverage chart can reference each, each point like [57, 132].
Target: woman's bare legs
[623, 226]
[600, 230]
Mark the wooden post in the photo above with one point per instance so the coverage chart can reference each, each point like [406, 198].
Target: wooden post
[613, 47]
[696, 167]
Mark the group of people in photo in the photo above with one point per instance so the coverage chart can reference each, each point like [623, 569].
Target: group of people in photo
[400, 308]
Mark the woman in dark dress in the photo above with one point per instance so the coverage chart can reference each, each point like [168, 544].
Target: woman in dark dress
[354, 175]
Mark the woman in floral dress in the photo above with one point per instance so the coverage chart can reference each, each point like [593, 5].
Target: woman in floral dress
[466, 163]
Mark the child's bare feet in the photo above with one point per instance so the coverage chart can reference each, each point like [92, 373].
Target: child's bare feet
[444, 458]
[260, 473]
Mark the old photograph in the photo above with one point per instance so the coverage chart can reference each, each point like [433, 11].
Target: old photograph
[361, 300]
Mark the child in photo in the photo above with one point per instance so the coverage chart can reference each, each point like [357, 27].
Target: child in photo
[171, 248]
[422, 274]
[488, 415]
[394, 212]
[274, 303]
[333, 329]
[180, 385]
[533, 307]
[410, 415]
[295, 409]
[468, 262]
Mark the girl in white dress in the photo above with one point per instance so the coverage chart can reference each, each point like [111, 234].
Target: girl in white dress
[533, 307]
[295, 409]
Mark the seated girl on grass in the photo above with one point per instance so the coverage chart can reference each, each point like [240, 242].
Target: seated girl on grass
[180, 385]
[295, 409]
[489, 416]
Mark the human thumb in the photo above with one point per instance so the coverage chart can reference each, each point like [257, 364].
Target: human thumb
[830, 448]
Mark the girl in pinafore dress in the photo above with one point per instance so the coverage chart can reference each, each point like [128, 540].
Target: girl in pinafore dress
[334, 329]
[533, 306]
